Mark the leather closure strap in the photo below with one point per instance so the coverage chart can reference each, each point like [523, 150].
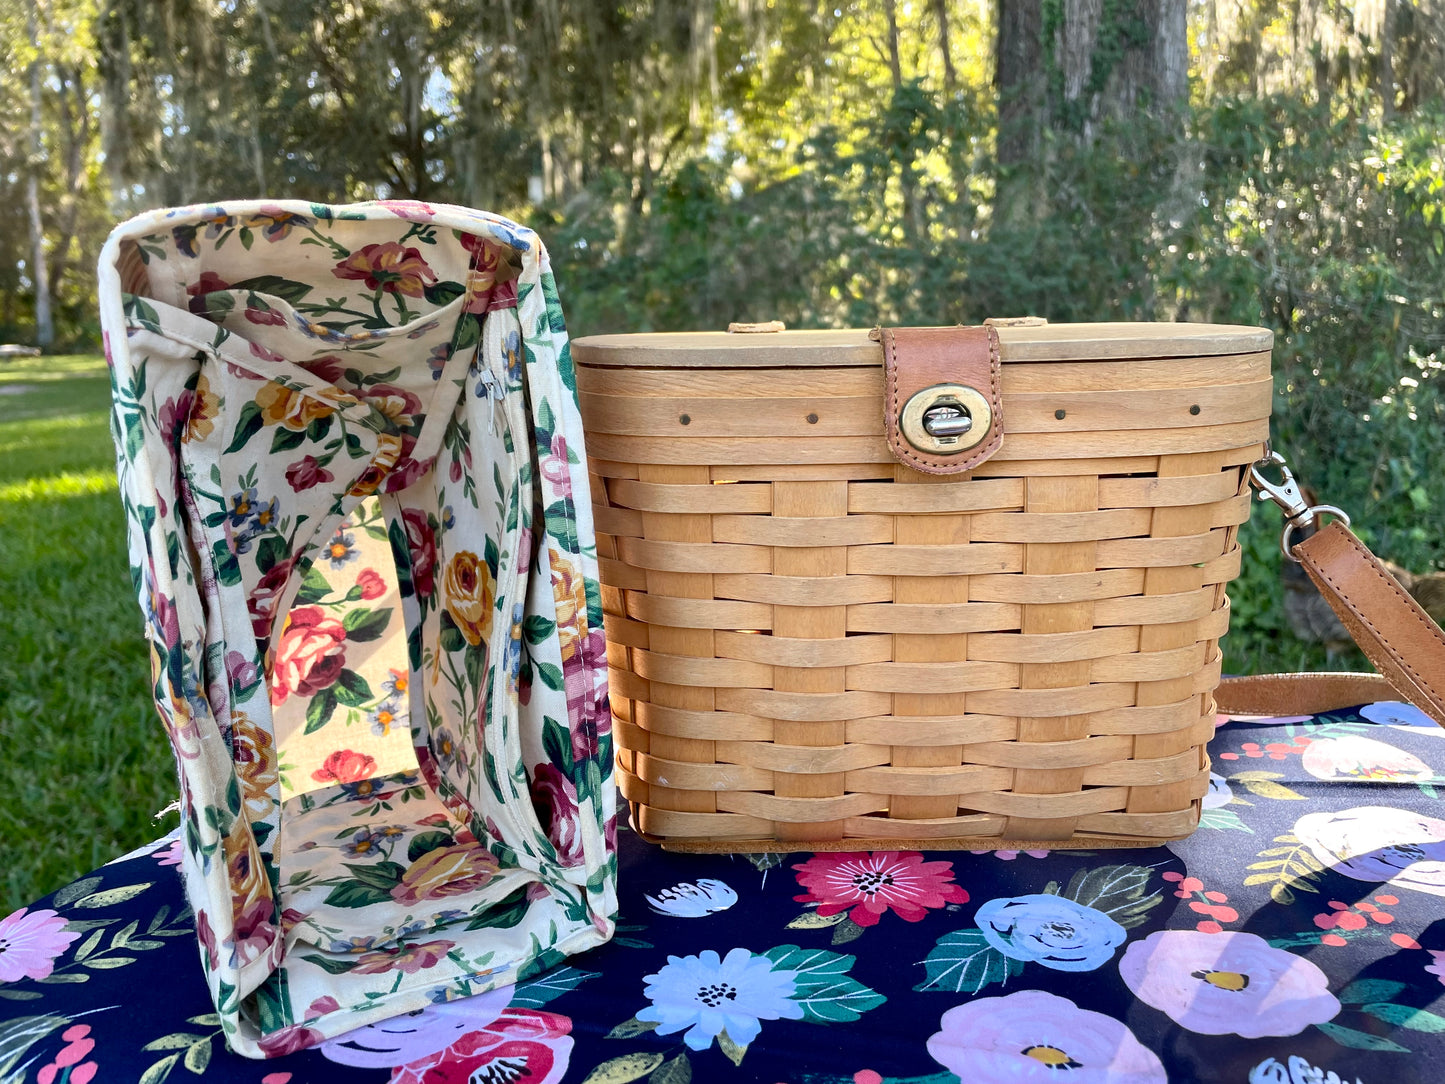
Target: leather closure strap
[1399, 637]
[916, 359]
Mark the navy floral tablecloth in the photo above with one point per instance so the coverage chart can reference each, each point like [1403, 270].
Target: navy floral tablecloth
[1297, 938]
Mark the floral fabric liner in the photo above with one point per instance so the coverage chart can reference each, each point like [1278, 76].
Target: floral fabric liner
[352, 467]
[1297, 938]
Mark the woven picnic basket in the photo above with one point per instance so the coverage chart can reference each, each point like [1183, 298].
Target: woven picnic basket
[815, 641]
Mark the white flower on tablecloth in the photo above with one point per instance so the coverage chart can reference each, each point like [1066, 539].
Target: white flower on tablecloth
[707, 994]
[1295, 1071]
[1379, 844]
[1218, 793]
[699, 900]
[1396, 713]
[1034, 1037]
[1364, 760]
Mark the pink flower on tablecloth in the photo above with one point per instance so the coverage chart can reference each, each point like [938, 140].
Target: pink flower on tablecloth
[171, 853]
[1438, 967]
[72, 1056]
[867, 885]
[1033, 1036]
[1227, 983]
[520, 1044]
[30, 943]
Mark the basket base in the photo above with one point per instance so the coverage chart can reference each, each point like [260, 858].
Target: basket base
[963, 843]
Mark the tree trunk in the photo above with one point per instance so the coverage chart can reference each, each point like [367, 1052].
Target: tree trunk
[1387, 61]
[1020, 79]
[950, 77]
[39, 274]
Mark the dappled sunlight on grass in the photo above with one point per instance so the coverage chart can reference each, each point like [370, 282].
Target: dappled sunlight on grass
[68, 484]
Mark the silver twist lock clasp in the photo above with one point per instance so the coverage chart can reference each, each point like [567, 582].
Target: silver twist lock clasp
[1299, 514]
[947, 420]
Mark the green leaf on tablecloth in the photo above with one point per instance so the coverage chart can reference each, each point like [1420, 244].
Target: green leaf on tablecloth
[963, 962]
[109, 963]
[1264, 785]
[764, 862]
[209, 1020]
[811, 920]
[1223, 819]
[112, 896]
[1290, 868]
[730, 1048]
[73, 891]
[1406, 1016]
[631, 1029]
[1117, 891]
[626, 1068]
[846, 931]
[198, 1057]
[177, 1040]
[20, 995]
[1363, 990]
[1360, 1040]
[822, 986]
[89, 945]
[160, 1070]
[537, 992]
[676, 1071]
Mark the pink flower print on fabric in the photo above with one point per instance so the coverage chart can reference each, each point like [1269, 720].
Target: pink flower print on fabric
[30, 943]
[72, 1056]
[1379, 844]
[868, 885]
[1437, 968]
[1038, 1037]
[1227, 983]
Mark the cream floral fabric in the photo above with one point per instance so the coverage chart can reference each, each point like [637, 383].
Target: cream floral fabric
[352, 467]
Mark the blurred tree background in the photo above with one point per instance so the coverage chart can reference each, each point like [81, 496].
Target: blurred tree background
[824, 162]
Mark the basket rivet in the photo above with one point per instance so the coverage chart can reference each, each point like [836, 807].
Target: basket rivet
[812, 419]
[1061, 414]
[1194, 409]
[685, 419]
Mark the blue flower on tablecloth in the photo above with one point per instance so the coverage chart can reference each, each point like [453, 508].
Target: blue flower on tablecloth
[698, 900]
[707, 994]
[1396, 713]
[1295, 1071]
[1050, 930]
[1218, 793]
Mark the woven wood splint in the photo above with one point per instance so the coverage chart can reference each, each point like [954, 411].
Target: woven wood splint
[812, 643]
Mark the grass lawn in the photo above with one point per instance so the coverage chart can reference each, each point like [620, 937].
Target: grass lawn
[84, 764]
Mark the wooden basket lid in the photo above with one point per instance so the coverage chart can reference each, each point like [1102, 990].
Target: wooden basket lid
[854, 347]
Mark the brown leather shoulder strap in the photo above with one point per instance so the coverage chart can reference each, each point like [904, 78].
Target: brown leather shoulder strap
[1399, 637]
